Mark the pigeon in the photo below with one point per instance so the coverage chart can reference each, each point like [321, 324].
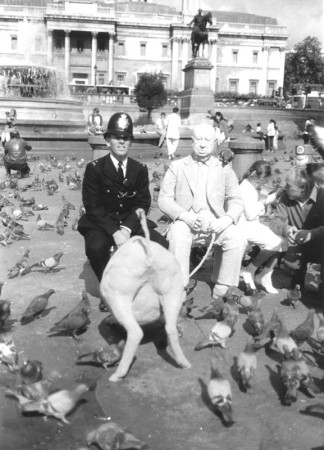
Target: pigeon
[106, 357]
[270, 328]
[290, 375]
[316, 409]
[283, 340]
[305, 330]
[58, 404]
[8, 354]
[39, 207]
[31, 371]
[17, 233]
[42, 225]
[320, 331]
[218, 335]
[110, 436]
[316, 345]
[60, 224]
[306, 381]
[51, 262]
[316, 137]
[256, 319]
[4, 308]
[220, 393]
[294, 296]
[4, 237]
[21, 265]
[41, 389]
[75, 320]
[36, 307]
[247, 364]
[251, 302]
[211, 311]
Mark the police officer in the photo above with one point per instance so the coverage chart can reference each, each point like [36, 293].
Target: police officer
[113, 188]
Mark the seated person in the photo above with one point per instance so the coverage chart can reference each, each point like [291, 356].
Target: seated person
[95, 123]
[160, 124]
[299, 216]
[114, 187]
[193, 193]
[255, 199]
[15, 156]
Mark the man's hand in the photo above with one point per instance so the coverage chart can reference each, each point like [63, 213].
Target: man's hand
[303, 236]
[121, 236]
[291, 235]
[191, 219]
[219, 225]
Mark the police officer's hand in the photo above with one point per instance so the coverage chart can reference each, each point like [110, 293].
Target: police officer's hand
[121, 236]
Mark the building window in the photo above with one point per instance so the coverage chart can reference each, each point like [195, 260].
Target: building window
[271, 88]
[101, 78]
[101, 46]
[164, 50]
[254, 86]
[235, 56]
[255, 58]
[121, 48]
[120, 78]
[80, 45]
[58, 44]
[38, 44]
[143, 48]
[14, 41]
[233, 85]
[80, 78]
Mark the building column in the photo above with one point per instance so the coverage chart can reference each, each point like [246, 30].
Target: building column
[264, 70]
[175, 62]
[185, 54]
[50, 47]
[110, 57]
[67, 55]
[213, 60]
[282, 67]
[94, 58]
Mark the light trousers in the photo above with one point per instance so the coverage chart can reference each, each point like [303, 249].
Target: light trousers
[228, 253]
[261, 235]
[172, 145]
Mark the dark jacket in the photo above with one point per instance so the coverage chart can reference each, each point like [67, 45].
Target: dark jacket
[15, 151]
[110, 203]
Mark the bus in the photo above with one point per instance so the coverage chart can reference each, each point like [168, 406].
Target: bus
[103, 93]
[311, 101]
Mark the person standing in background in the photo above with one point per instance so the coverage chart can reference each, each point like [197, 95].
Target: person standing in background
[173, 124]
[270, 135]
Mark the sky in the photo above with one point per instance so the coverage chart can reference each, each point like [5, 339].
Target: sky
[301, 17]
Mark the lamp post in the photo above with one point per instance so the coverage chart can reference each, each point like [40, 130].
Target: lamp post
[95, 74]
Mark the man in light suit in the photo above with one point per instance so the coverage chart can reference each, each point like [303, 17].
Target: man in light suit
[193, 194]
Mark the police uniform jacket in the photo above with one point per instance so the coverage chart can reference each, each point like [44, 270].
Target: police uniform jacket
[109, 202]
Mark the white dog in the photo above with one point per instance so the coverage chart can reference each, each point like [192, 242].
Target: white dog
[140, 278]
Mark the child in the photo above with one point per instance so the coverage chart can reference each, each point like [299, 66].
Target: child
[254, 200]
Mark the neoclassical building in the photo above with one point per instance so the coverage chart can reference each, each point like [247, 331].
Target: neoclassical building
[98, 42]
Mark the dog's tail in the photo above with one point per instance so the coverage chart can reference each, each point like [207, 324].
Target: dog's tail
[142, 217]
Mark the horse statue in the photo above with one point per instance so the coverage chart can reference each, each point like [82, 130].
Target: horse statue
[199, 33]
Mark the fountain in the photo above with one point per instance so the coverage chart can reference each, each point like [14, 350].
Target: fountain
[46, 117]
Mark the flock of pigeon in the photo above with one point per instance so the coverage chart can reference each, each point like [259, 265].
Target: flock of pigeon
[34, 391]
[298, 350]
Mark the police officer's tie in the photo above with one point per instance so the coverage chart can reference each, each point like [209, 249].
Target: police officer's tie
[120, 172]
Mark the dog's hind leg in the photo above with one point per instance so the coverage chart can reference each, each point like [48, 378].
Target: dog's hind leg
[124, 315]
[171, 308]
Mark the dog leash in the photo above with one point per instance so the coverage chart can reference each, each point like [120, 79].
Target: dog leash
[210, 246]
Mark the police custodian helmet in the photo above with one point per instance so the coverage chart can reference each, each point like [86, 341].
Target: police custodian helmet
[120, 124]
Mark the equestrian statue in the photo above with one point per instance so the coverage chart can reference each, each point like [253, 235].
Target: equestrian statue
[199, 33]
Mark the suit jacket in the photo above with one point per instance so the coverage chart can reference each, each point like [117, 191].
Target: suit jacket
[110, 203]
[178, 186]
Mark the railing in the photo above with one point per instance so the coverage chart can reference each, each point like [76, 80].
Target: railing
[91, 97]
[252, 28]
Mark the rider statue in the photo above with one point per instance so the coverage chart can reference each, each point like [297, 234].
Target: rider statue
[199, 33]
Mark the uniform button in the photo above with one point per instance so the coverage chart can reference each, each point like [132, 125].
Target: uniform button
[121, 205]
[108, 190]
[117, 212]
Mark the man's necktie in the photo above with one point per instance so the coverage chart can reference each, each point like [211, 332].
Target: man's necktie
[120, 172]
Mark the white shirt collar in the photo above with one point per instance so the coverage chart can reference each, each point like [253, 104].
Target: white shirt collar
[116, 162]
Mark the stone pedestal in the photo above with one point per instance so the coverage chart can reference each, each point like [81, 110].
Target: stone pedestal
[247, 150]
[197, 96]
[99, 146]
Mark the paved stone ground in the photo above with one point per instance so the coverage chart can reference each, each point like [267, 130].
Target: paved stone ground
[161, 404]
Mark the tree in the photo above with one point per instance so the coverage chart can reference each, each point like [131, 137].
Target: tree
[305, 64]
[150, 92]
